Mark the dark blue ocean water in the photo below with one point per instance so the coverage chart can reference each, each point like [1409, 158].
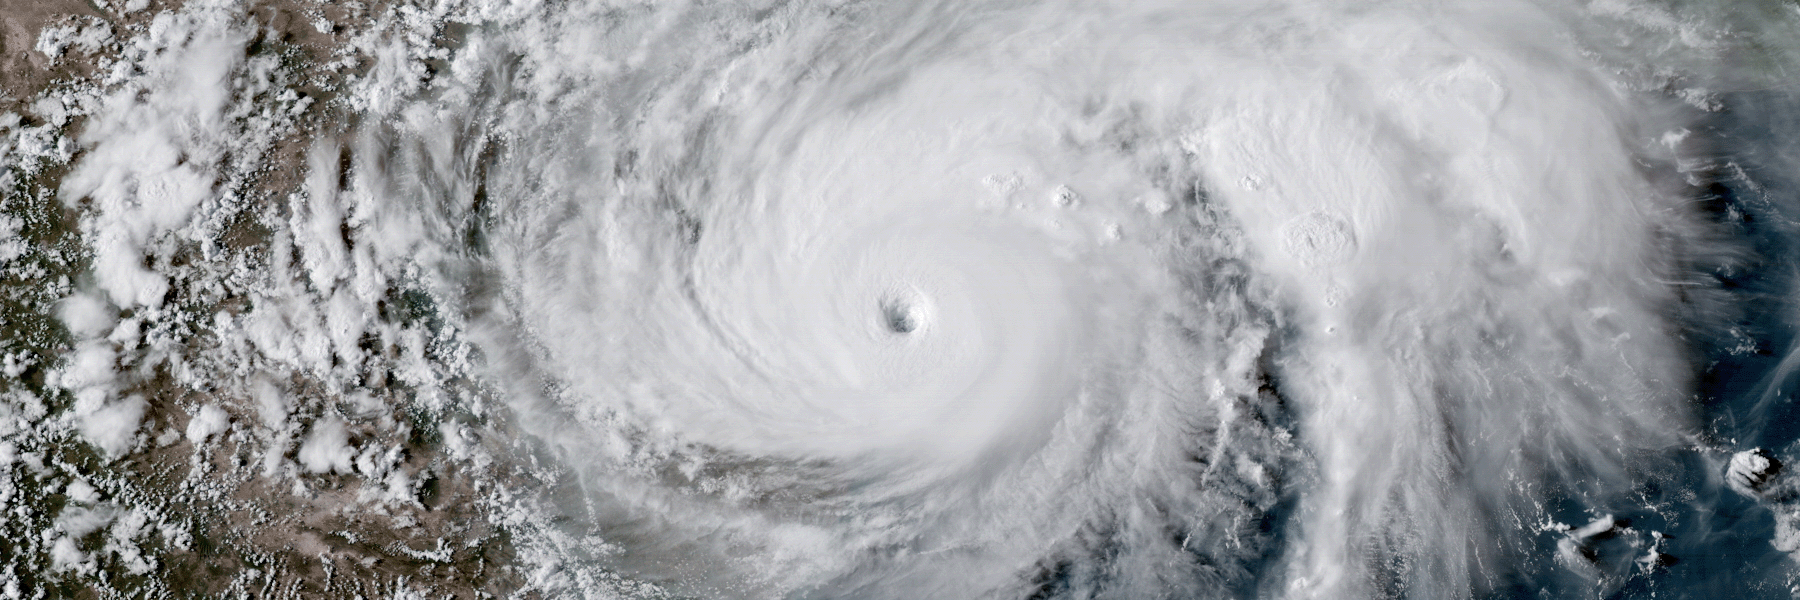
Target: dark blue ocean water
[1719, 540]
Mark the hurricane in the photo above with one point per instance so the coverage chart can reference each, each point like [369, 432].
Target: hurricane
[868, 300]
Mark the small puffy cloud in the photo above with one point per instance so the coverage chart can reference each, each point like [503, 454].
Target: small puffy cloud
[83, 492]
[271, 405]
[113, 428]
[92, 366]
[209, 421]
[327, 448]
[87, 316]
[64, 556]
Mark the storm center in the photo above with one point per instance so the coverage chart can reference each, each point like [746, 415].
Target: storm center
[900, 315]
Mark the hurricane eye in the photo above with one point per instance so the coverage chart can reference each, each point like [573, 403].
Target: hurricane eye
[898, 316]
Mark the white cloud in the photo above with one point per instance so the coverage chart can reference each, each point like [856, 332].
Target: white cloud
[64, 556]
[87, 316]
[82, 492]
[113, 428]
[327, 448]
[271, 404]
[153, 142]
[209, 421]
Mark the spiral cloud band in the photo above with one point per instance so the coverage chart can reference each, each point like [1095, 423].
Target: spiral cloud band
[1007, 284]
[1062, 299]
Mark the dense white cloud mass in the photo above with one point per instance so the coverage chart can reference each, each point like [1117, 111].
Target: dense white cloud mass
[860, 299]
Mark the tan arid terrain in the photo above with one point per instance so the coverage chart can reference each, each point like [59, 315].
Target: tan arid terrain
[26, 70]
[219, 509]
